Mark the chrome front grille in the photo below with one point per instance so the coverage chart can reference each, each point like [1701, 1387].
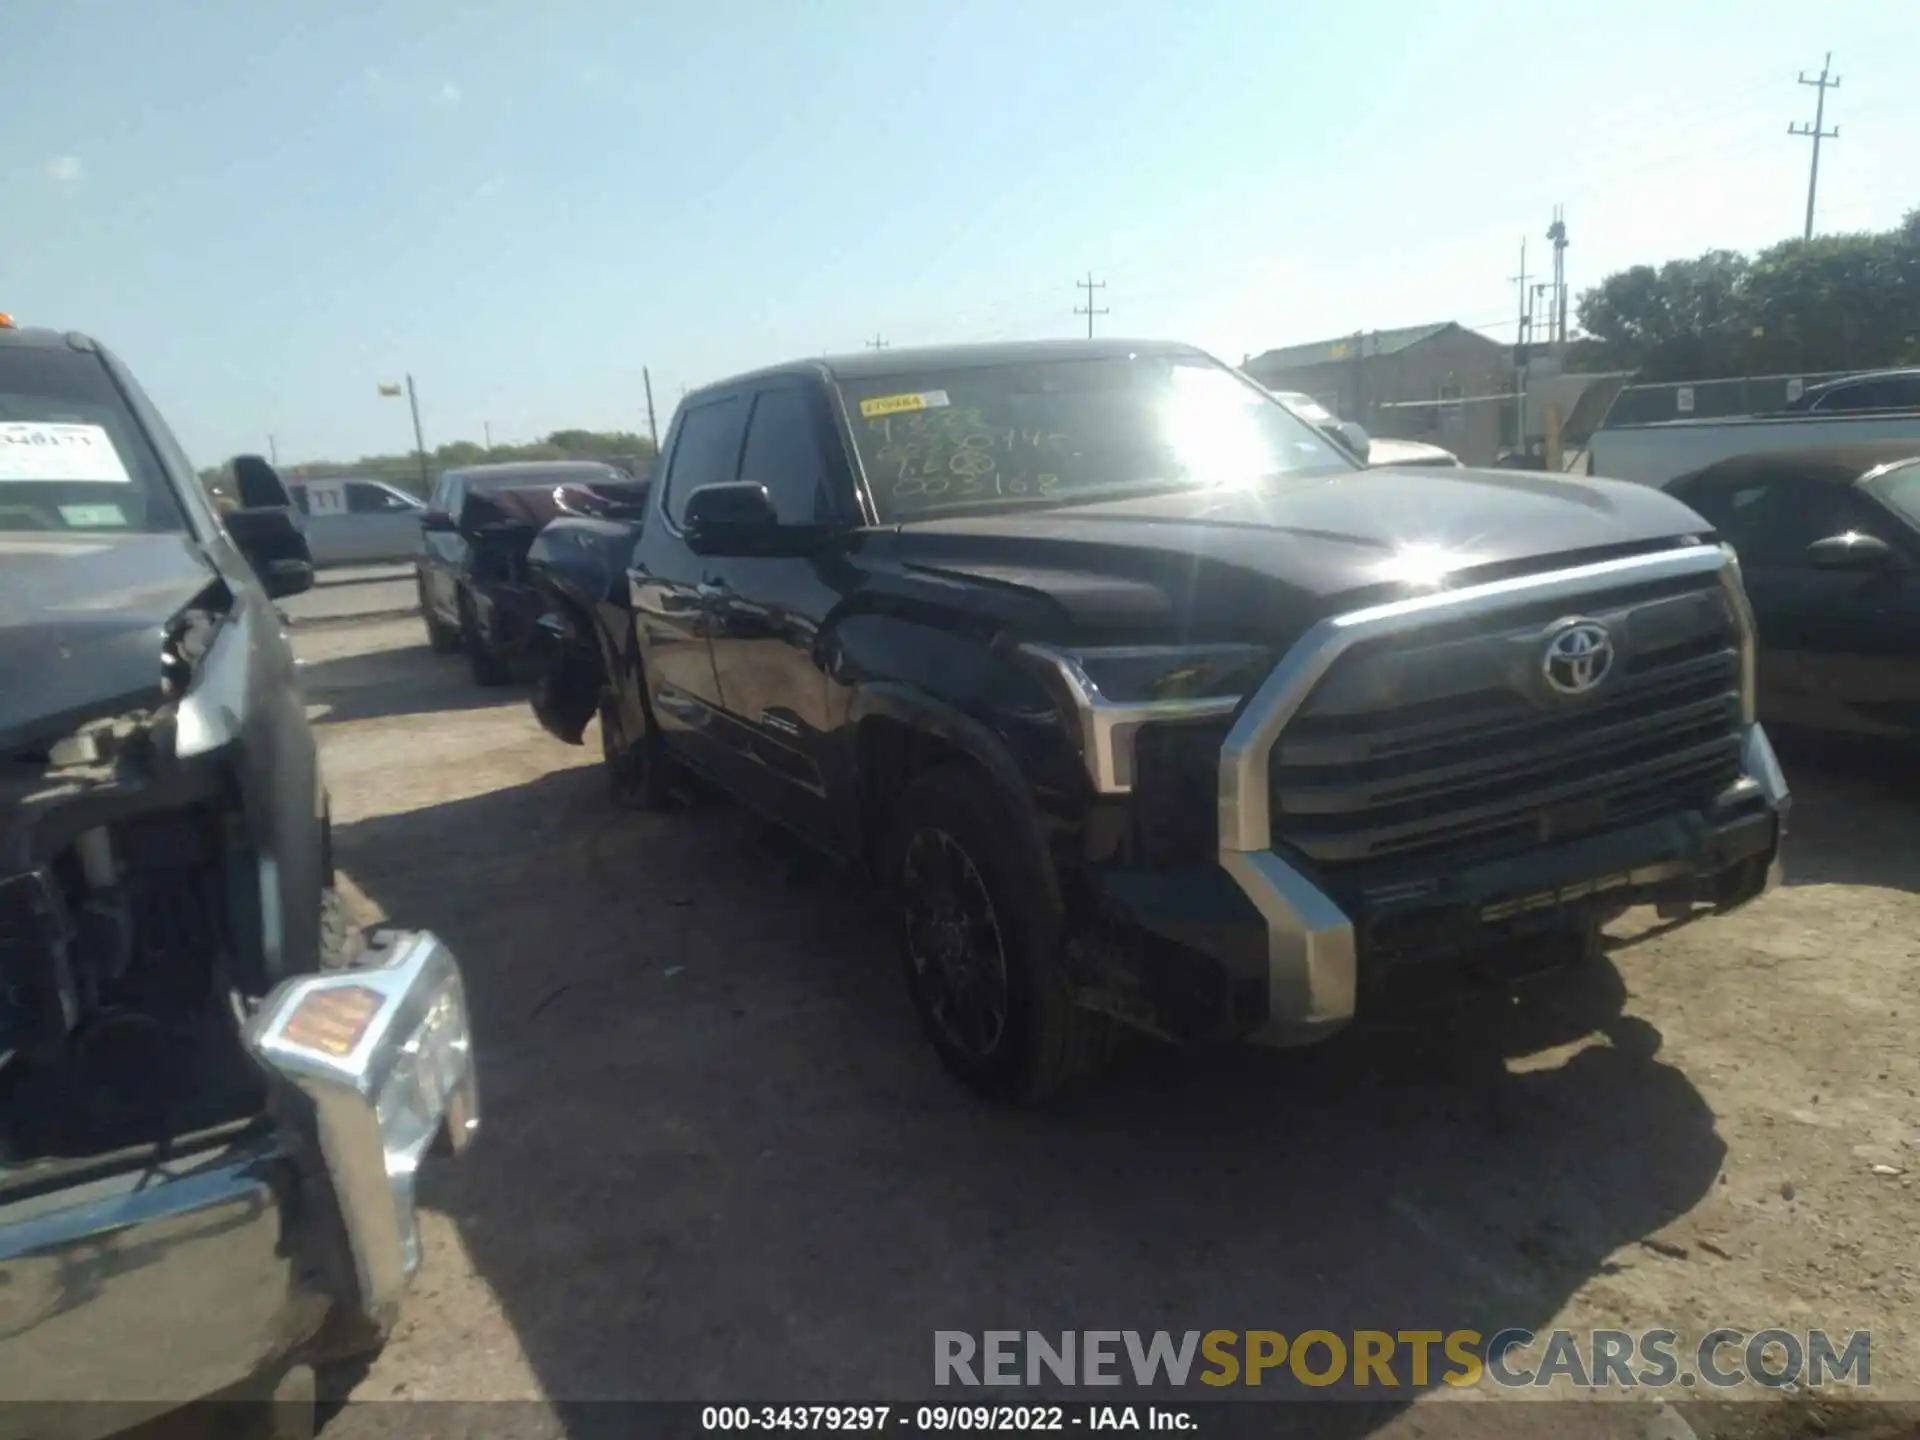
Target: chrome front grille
[1444, 743]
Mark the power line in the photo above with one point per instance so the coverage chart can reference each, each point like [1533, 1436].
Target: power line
[1089, 285]
[1816, 133]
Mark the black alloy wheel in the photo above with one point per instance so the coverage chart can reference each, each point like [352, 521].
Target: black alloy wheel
[482, 659]
[636, 767]
[955, 945]
[440, 638]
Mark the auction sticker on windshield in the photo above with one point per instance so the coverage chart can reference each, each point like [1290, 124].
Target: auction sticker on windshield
[43, 451]
[895, 404]
[88, 517]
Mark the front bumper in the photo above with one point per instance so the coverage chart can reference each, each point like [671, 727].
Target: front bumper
[156, 1286]
[383, 1056]
[149, 1288]
[1312, 946]
[1254, 947]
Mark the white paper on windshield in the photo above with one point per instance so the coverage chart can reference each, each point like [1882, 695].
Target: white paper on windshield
[33, 450]
[88, 517]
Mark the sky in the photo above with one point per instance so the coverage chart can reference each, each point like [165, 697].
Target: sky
[269, 210]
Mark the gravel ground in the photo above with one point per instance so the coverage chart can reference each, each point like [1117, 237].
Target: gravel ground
[352, 593]
[719, 1163]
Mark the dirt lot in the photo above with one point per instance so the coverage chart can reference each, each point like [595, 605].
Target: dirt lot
[719, 1162]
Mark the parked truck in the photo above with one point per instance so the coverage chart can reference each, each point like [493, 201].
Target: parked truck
[215, 1093]
[1628, 446]
[1152, 705]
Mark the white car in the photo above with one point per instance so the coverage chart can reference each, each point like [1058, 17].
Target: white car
[1397, 453]
[354, 521]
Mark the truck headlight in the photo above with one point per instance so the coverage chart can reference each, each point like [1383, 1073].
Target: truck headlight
[1111, 691]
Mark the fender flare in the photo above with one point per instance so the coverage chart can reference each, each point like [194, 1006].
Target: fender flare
[946, 722]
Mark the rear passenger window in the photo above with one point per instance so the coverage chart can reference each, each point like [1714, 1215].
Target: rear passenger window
[372, 500]
[783, 454]
[1893, 392]
[706, 452]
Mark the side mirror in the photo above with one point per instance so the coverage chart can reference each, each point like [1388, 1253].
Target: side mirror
[275, 549]
[739, 519]
[438, 521]
[259, 484]
[1351, 437]
[1851, 551]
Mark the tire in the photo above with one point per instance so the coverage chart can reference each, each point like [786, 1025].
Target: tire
[341, 943]
[291, 1411]
[440, 638]
[638, 769]
[986, 974]
[485, 663]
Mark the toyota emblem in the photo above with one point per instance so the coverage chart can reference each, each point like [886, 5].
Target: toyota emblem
[1578, 658]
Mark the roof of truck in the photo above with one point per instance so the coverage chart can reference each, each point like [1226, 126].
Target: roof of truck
[924, 359]
[38, 337]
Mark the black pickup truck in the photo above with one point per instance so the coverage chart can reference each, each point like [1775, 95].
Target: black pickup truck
[1152, 705]
[214, 1093]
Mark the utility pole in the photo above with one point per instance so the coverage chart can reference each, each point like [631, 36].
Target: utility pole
[273, 451]
[419, 441]
[877, 342]
[653, 429]
[1557, 233]
[1359, 416]
[1520, 355]
[1089, 285]
[486, 428]
[1817, 133]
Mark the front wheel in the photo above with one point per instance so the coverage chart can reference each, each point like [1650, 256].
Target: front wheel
[981, 939]
[442, 638]
[482, 659]
[637, 767]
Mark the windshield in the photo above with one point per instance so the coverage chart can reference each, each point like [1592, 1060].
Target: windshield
[71, 457]
[1061, 432]
[1900, 491]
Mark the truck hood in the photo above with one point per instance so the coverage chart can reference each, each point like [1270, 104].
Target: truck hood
[81, 624]
[1203, 558]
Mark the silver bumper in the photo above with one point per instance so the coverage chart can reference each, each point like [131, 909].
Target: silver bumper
[1312, 959]
[384, 1052]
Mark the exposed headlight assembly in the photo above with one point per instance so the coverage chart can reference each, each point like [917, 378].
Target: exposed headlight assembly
[1112, 691]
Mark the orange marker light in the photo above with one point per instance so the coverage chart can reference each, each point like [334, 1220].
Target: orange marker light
[332, 1021]
[6, 321]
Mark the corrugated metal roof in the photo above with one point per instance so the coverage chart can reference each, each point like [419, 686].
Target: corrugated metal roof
[1327, 352]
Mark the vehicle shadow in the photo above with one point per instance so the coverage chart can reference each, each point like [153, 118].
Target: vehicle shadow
[373, 684]
[1856, 810]
[720, 1163]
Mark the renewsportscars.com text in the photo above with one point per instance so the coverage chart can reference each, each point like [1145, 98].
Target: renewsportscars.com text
[1720, 1359]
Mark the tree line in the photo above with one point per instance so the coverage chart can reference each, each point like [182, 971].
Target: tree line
[1836, 302]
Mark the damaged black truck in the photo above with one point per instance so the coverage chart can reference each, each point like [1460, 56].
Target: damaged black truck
[477, 595]
[1152, 706]
[214, 1092]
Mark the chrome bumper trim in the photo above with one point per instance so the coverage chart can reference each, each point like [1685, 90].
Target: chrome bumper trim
[1763, 766]
[1312, 981]
[384, 1052]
